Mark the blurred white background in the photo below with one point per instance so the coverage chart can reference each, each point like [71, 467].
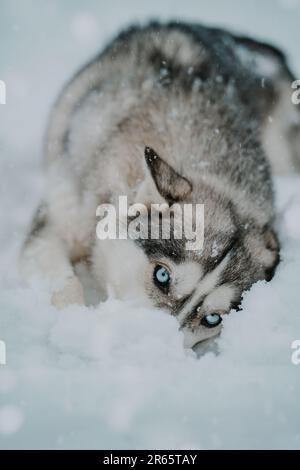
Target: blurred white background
[43, 43]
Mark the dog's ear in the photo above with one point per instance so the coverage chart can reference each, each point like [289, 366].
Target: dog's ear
[264, 246]
[272, 249]
[171, 186]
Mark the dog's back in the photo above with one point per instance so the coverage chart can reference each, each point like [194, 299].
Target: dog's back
[253, 75]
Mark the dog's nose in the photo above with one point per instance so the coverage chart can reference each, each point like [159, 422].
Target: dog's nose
[191, 338]
[197, 341]
[205, 346]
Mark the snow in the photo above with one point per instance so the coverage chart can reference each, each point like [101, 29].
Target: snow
[214, 249]
[11, 419]
[116, 375]
[289, 3]
[84, 27]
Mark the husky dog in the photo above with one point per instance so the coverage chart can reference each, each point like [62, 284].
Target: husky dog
[169, 113]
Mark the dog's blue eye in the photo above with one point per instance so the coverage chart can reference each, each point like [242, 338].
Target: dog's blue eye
[211, 320]
[161, 276]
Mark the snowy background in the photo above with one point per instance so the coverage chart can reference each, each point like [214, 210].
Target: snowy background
[116, 376]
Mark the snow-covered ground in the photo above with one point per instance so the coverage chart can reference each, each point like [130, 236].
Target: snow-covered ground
[116, 375]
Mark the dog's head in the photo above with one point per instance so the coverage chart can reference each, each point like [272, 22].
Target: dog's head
[199, 285]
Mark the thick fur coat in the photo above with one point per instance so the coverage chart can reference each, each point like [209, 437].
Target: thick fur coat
[168, 113]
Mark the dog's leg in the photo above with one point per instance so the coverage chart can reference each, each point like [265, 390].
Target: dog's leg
[47, 255]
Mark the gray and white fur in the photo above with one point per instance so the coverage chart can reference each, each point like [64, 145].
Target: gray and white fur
[215, 110]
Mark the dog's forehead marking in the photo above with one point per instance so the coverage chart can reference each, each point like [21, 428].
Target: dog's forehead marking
[186, 277]
[220, 298]
[205, 286]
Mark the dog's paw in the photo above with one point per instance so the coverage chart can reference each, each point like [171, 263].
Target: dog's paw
[71, 293]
